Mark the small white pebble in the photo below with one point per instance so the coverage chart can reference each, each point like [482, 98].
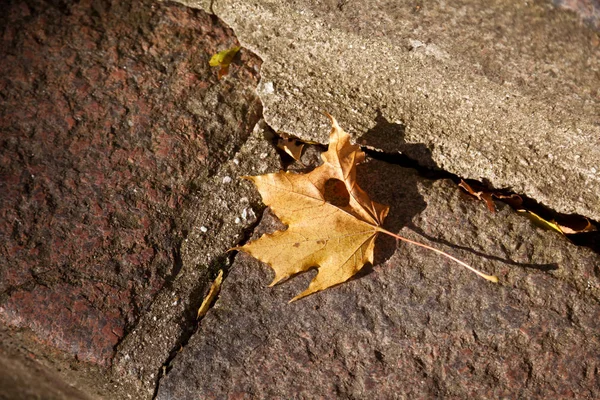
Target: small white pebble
[203, 229]
[237, 220]
[236, 161]
[263, 156]
[268, 88]
[593, 170]
[244, 214]
[226, 180]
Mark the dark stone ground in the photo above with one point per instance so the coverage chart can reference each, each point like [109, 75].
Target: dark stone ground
[100, 149]
[110, 121]
[415, 326]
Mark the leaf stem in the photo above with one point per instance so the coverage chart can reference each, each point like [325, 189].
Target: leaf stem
[491, 278]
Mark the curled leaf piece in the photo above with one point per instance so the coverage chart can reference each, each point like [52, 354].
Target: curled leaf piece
[291, 146]
[570, 227]
[223, 59]
[481, 195]
[215, 288]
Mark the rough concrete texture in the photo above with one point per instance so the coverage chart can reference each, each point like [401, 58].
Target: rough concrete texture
[417, 325]
[502, 91]
[224, 207]
[111, 120]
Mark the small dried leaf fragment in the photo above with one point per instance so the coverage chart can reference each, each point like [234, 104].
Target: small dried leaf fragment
[513, 200]
[481, 195]
[223, 59]
[291, 146]
[572, 227]
[337, 237]
[541, 222]
[577, 226]
[215, 288]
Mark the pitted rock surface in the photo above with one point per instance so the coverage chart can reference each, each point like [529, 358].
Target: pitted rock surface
[111, 119]
[417, 325]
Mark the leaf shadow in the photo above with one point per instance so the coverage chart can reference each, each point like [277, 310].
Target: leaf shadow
[540, 267]
[397, 186]
[390, 138]
[391, 184]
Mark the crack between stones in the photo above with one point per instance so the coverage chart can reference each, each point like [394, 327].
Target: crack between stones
[590, 240]
[586, 239]
[221, 262]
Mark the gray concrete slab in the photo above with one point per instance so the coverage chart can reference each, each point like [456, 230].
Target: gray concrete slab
[504, 91]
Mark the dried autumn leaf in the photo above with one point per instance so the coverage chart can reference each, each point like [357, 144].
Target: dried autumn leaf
[339, 239]
[332, 223]
[481, 195]
[541, 222]
[513, 200]
[578, 226]
[223, 59]
[215, 288]
[575, 226]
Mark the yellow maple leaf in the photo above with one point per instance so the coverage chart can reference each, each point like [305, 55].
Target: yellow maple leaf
[332, 223]
[339, 239]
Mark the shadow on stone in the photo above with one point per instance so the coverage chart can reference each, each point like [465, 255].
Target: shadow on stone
[396, 187]
[539, 267]
[389, 137]
[392, 180]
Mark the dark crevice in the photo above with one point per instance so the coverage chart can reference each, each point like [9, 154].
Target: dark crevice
[585, 239]
[417, 156]
[177, 264]
[191, 324]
